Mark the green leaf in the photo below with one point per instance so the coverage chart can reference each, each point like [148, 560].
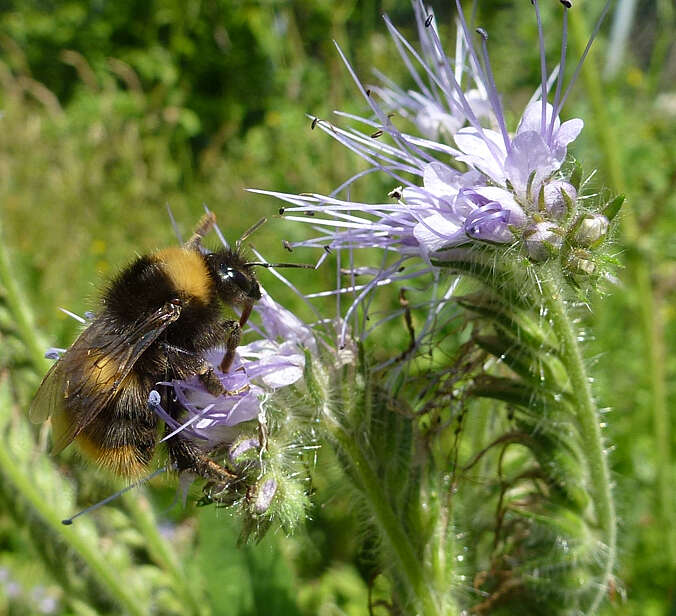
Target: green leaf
[613, 207]
[244, 581]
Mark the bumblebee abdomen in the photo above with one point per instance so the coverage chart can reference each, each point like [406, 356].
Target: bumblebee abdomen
[122, 437]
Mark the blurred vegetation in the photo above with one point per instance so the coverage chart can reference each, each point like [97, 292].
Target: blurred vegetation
[111, 110]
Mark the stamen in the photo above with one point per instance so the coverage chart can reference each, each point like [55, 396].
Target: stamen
[177, 232]
[155, 404]
[562, 68]
[266, 264]
[543, 68]
[411, 69]
[341, 338]
[578, 68]
[217, 229]
[497, 155]
[387, 125]
[493, 90]
[399, 40]
[189, 422]
[373, 152]
[77, 317]
[295, 289]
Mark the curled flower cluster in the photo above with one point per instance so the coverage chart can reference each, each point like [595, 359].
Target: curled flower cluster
[509, 209]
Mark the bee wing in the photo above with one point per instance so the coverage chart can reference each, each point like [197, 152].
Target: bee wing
[91, 372]
[49, 395]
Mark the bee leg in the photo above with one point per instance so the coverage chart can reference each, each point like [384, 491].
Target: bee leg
[211, 382]
[203, 227]
[186, 456]
[234, 333]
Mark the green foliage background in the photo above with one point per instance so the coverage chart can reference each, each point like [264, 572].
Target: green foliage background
[111, 110]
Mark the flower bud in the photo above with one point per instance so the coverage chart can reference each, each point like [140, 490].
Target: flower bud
[542, 240]
[591, 230]
[265, 492]
[240, 449]
[558, 198]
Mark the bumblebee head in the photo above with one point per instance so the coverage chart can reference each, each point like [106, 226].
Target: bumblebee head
[234, 278]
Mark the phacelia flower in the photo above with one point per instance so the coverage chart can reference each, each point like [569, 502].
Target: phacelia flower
[486, 186]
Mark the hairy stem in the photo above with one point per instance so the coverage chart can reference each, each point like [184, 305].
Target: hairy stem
[408, 564]
[590, 430]
[639, 270]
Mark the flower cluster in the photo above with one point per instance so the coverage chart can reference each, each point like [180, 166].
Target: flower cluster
[506, 206]
[488, 187]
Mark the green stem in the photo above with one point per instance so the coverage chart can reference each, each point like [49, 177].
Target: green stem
[21, 314]
[409, 566]
[590, 430]
[639, 270]
[84, 546]
[663, 39]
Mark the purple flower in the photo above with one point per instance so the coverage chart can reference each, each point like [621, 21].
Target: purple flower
[485, 186]
[465, 180]
[526, 160]
[273, 361]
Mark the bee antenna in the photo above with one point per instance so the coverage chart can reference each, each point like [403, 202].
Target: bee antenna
[264, 264]
[250, 231]
[105, 501]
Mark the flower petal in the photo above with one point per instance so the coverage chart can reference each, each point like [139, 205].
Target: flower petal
[440, 180]
[437, 231]
[568, 131]
[479, 154]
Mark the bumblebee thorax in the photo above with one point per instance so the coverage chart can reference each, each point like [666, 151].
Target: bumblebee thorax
[187, 272]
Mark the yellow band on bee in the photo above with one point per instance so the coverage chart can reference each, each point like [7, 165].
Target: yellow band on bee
[187, 271]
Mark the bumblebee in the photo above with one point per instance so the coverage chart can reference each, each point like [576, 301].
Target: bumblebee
[156, 320]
